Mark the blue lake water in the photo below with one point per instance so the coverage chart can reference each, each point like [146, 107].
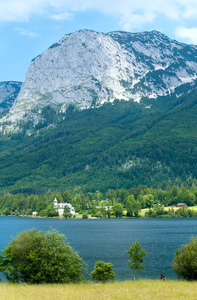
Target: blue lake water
[109, 240]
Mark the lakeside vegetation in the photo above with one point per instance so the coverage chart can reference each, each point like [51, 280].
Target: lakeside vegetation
[134, 202]
[21, 271]
[139, 289]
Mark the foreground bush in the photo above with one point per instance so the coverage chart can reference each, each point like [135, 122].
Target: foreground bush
[185, 262]
[103, 272]
[35, 257]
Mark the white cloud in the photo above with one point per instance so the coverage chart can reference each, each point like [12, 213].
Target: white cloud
[132, 21]
[131, 13]
[20, 10]
[189, 34]
[189, 8]
[26, 32]
[62, 16]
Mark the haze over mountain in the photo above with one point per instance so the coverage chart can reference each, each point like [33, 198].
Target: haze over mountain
[87, 69]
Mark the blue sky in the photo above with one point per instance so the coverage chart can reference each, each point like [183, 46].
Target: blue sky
[29, 27]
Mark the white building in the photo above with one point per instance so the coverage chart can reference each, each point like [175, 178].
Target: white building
[60, 207]
[105, 207]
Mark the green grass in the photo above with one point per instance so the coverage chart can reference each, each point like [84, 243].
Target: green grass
[142, 289]
[144, 210]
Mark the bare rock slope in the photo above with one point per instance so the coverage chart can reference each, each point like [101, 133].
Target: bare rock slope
[87, 69]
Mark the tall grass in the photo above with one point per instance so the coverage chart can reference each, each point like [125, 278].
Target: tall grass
[142, 289]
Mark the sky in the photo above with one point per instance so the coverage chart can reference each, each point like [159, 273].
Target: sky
[29, 27]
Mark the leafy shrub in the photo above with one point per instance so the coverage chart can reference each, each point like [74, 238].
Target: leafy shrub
[156, 212]
[185, 263]
[85, 215]
[184, 212]
[35, 257]
[103, 272]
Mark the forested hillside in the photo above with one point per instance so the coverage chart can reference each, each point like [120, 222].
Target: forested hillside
[118, 145]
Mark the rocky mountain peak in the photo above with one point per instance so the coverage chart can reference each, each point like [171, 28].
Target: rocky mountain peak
[87, 69]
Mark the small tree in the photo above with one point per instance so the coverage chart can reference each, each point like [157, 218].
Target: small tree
[51, 211]
[133, 208]
[85, 215]
[118, 210]
[136, 255]
[185, 263]
[35, 257]
[149, 199]
[67, 196]
[129, 208]
[67, 213]
[103, 272]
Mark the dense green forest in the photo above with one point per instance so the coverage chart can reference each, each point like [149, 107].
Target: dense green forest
[118, 145]
[130, 201]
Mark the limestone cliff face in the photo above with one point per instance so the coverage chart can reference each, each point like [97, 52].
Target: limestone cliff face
[87, 69]
[9, 90]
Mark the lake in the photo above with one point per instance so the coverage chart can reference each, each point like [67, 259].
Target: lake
[109, 240]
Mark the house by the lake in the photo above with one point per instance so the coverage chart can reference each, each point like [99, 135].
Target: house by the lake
[60, 207]
[105, 207]
[181, 205]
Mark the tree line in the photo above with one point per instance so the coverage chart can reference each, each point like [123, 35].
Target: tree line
[112, 203]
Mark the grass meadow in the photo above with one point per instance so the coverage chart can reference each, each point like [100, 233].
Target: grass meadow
[140, 289]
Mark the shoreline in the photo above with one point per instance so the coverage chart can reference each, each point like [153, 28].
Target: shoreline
[142, 216]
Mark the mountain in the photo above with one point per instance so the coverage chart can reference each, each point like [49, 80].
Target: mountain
[70, 125]
[118, 145]
[87, 69]
[9, 91]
